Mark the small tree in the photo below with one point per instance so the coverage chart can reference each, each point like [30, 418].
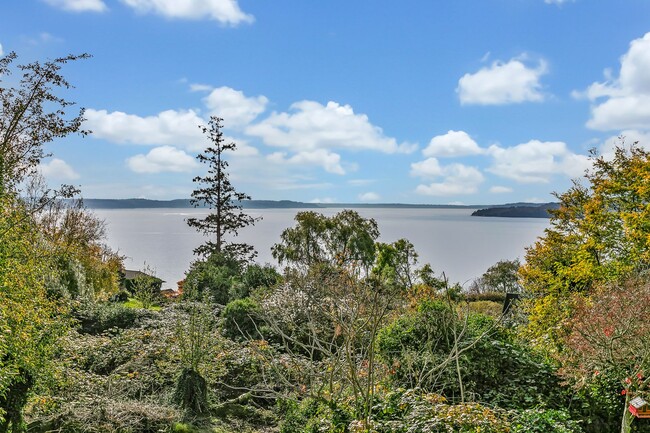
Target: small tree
[502, 277]
[345, 240]
[610, 340]
[31, 115]
[146, 287]
[216, 192]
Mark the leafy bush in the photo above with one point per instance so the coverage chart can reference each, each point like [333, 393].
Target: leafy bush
[121, 296]
[254, 277]
[494, 367]
[211, 279]
[103, 415]
[95, 318]
[545, 421]
[411, 411]
[240, 320]
[312, 416]
[489, 308]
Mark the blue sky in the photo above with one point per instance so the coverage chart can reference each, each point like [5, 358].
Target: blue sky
[449, 101]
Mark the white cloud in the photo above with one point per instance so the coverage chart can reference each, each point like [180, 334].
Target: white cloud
[234, 107]
[457, 178]
[162, 159]
[369, 196]
[503, 83]
[170, 127]
[198, 87]
[322, 200]
[176, 128]
[79, 5]
[58, 169]
[1, 52]
[627, 104]
[557, 2]
[224, 11]
[500, 189]
[429, 168]
[312, 126]
[536, 161]
[331, 162]
[451, 144]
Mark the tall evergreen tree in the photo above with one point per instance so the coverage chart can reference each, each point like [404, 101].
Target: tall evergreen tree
[216, 192]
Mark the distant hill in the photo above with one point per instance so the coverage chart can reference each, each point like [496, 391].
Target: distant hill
[518, 210]
[141, 203]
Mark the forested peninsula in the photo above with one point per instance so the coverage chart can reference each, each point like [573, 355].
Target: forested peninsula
[518, 211]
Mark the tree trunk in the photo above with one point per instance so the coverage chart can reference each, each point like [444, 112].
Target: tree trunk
[626, 421]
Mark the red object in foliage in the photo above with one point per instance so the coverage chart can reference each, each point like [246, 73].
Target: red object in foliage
[639, 408]
[624, 392]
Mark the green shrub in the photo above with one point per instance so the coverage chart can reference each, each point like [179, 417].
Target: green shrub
[544, 421]
[121, 296]
[95, 318]
[104, 415]
[495, 368]
[312, 416]
[180, 427]
[489, 308]
[240, 320]
[254, 277]
[211, 279]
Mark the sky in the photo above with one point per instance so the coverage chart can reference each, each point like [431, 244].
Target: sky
[420, 101]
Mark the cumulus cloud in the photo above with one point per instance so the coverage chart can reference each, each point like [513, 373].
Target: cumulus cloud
[223, 11]
[451, 144]
[536, 161]
[312, 126]
[626, 102]
[234, 107]
[310, 135]
[456, 178]
[58, 169]
[78, 5]
[170, 127]
[331, 162]
[429, 168]
[162, 159]
[369, 196]
[503, 83]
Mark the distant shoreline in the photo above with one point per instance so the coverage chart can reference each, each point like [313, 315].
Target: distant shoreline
[139, 203]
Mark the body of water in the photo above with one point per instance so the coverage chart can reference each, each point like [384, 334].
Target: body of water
[451, 240]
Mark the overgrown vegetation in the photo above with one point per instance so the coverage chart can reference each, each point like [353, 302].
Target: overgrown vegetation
[351, 335]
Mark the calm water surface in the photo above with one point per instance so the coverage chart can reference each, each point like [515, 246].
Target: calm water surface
[450, 239]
